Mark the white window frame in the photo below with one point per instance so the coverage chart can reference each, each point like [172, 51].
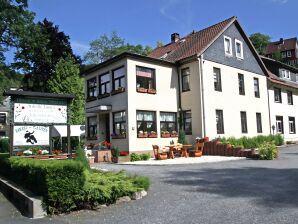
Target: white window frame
[292, 128]
[241, 48]
[297, 77]
[225, 46]
[285, 74]
[289, 54]
[283, 54]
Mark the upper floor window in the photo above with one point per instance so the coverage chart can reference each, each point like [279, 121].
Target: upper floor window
[239, 49]
[187, 122]
[119, 123]
[145, 78]
[290, 97]
[92, 127]
[217, 79]
[283, 54]
[146, 121]
[277, 95]
[2, 118]
[289, 54]
[241, 84]
[228, 46]
[286, 74]
[219, 122]
[104, 83]
[168, 121]
[256, 87]
[91, 87]
[118, 78]
[185, 76]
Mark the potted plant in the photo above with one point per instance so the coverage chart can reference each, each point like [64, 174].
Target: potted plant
[151, 91]
[91, 158]
[28, 152]
[165, 134]
[152, 134]
[115, 154]
[141, 90]
[142, 134]
[174, 134]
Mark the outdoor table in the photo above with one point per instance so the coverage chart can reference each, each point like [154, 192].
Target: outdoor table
[184, 150]
[171, 151]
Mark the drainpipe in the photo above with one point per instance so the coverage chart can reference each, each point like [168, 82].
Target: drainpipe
[179, 98]
[268, 87]
[201, 85]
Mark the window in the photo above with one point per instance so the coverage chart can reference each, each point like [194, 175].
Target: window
[185, 74]
[91, 88]
[292, 126]
[296, 77]
[168, 121]
[277, 95]
[241, 84]
[283, 54]
[290, 97]
[239, 49]
[256, 87]
[118, 78]
[289, 54]
[279, 125]
[217, 79]
[187, 122]
[259, 122]
[219, 122]
[104, 84]
[2, 118]
[228, 46]
[119, 123]
[285, 74]
[145, 78]
[2, 133]
[92, 127]
[243, 122]
[146, 121]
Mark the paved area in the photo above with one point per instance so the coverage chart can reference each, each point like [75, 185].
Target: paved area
[183, 160]
[241, 191]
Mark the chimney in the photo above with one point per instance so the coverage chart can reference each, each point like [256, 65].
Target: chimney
[174, 37]
[281, 41]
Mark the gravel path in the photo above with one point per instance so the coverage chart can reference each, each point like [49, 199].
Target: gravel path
[241, 191]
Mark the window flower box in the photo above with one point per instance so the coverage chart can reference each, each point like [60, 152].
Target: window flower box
[100, 96]
[152, 134]
[141, 90]
[165, 134]
[174, 134]
[118, 136]
[151, 91]
[119, 90]
[90, 98]
[142, 135]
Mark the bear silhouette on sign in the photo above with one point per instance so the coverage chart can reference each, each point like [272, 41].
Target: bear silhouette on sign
[30, 137]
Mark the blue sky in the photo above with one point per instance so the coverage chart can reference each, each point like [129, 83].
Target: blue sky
[148, 21]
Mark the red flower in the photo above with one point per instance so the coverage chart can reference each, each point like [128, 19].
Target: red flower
[124, 153]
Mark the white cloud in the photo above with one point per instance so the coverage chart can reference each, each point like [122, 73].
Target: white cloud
[79, 47]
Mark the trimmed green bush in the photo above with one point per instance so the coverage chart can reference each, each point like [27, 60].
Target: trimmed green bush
[268, 151]
[145, 156]
[142, 182]
[81, 157]
[135, 157]
[181, 137]
[4, 145]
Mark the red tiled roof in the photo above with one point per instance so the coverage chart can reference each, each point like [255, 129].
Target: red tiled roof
[192, 44]
[288, 44]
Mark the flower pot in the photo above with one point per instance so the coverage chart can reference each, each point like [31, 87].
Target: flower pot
[174, 135]
[142, 135]
[91, 159]
[165, 135]
[115, 159]
[152, 136]
[151, 91]
[163, 156]
[141, 90]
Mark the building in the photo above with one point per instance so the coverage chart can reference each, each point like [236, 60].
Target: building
[288, 49]
[283, 98]
[212, 80]
[4, 115]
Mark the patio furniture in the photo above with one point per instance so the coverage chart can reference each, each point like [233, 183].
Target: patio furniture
[184, 150]
[159, 155]
[198, 150]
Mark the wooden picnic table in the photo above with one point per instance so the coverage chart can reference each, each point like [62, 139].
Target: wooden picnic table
[172, 149]
[184, 149]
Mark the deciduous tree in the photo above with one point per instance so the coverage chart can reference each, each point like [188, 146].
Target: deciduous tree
[260, 42]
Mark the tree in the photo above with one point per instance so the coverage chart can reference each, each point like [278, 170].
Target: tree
[106, 47]
[260, 42]
[66, 79]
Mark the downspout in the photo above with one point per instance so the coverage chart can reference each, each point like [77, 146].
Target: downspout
[268, 86]
[179, 99]
[201, 85]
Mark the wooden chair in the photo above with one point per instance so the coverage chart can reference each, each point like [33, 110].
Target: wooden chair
[159, 155]
[198, 152]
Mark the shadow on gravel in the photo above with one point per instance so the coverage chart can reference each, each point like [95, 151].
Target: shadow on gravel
[269, 187]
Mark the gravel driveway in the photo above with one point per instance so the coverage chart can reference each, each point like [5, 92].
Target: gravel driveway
[244, 191]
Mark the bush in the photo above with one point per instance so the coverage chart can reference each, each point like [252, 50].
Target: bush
[142, 182]
[4, 165]
[145, 156]
[135, 157]
[115, 152]
[4, 145]
[268, 151]
[181, 137]
[81, 157]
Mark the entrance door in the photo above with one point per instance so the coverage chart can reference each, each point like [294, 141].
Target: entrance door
[107, 119]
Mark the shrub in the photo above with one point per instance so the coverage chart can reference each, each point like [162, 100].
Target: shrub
[268, 151]
[4, 145]
[4, 165]
[135, 157]
[181, 137]
[145, 156]
[81, 157]
[142, 182]
[115, 152]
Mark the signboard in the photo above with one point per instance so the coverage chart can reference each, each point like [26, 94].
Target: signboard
[39, 113]
[31, 135]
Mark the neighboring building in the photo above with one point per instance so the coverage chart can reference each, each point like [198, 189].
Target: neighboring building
[213, 80]
[4, 114]
[288, 49]
[283, 98]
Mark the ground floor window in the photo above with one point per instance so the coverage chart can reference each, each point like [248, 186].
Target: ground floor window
[92, 127]
[219, 122]
[146, 121]
[259, 122]
[2, 118]
[243, 121]
[168, 122]
[2, 133]
[187, 122]
[279, 125]
[292, 126]
[119, 123]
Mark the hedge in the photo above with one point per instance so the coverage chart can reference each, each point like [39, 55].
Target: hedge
[4, 145]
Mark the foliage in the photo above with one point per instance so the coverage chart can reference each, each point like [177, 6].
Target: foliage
[138, 157]
[260, 42]
[268, 151]
[115, 152]
[181, 137]
[277, 56]
[106, 47]
[66, 79]
[81, 157]
[142, 182]
[253, 142]
[4, 145]
[145, 156]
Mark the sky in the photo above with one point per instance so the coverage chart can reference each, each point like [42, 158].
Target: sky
[148, 21]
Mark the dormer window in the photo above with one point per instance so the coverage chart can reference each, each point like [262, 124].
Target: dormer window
[228, 46]
[239, 49]
[289, 54]
[285, 74]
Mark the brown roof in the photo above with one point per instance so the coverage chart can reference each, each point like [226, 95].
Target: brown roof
[192, 44]
[287, 44]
